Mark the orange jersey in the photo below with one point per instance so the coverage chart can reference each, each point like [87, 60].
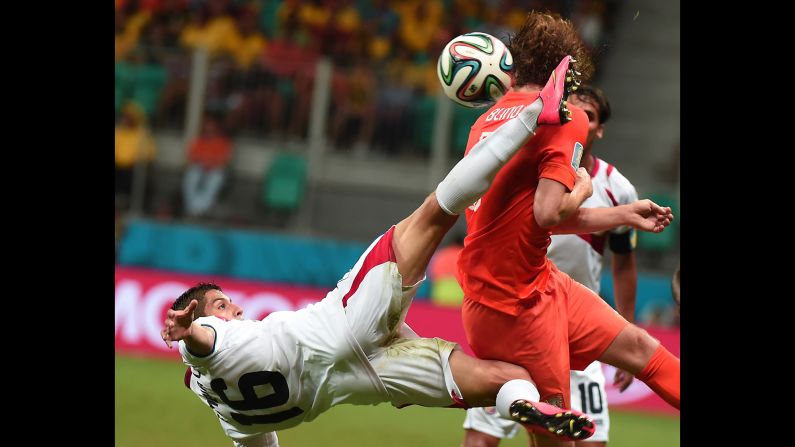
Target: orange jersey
[504, 256]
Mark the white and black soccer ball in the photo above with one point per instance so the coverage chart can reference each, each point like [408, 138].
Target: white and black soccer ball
[474, 69]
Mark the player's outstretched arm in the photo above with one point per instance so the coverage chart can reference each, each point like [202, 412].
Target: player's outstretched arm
[180, 326]
[643, 215]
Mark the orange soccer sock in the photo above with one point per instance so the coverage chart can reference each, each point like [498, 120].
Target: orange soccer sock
[661, 374]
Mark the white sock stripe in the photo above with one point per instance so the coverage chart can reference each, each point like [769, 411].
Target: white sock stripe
[441, 201]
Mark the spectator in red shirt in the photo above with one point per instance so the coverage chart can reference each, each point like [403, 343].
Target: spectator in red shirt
[208, 156]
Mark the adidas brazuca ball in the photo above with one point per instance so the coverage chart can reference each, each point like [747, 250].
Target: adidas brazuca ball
[474, 69]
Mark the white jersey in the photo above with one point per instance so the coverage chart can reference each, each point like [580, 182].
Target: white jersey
[264, 375]
[351, 347]
[580, 255]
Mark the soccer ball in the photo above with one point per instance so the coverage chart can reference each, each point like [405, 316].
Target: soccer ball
[474, 69]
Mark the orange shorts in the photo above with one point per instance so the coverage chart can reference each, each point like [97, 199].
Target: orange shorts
[565, 327]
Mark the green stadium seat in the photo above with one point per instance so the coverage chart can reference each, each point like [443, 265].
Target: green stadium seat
[149, 82]
[284, 183]
[125, 82]
[139, 83]
[269, 17]
[424, 114]
[463, 119]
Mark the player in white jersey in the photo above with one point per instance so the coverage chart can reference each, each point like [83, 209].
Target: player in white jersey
[353, 346]
[580, 256]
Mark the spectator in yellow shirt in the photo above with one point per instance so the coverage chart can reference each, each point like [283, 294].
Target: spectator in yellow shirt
[249, 43]
[134, 144]
[419, 25]
[211, 27]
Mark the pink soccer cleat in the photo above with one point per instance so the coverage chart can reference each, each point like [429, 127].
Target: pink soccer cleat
[560, 85]
[540, 417]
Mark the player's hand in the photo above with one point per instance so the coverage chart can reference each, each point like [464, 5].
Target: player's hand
[582, 182]
[622, 380]
[178, 324]
[646, 215]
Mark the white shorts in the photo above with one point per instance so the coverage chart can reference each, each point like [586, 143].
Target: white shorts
[413, 370]
[589, 383]
[416, 371]
[374, 299]
[487, 420]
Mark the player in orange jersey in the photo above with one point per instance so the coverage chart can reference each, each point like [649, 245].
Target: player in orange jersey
[518, 306]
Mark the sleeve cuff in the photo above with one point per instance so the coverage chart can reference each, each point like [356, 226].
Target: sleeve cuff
[188, 353]
[560, 173]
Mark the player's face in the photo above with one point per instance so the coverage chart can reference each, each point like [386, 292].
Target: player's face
[595, 130]
[219, 305]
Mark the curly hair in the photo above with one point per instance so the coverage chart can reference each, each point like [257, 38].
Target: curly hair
[195, 293]
[544, 39]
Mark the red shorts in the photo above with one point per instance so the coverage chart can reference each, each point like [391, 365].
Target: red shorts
[566, 326]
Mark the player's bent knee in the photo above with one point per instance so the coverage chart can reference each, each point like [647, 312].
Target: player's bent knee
[501, 372]
[643, 342]
[635, 347]
[509, 371]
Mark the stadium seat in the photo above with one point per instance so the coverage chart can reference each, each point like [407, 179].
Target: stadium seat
[125, 81]
[463, 119]
[140, 83]
[149, 81]
[424, 114]
[285, 179]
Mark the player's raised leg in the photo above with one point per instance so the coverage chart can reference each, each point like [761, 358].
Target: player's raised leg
[417, 237]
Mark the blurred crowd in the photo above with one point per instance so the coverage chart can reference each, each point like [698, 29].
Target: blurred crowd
[263, 56]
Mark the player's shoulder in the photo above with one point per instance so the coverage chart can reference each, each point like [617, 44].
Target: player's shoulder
[578, 114]
[211, 320]
[578, 126]
[615, 180]
[615, 176]
[510, 104]
[579, 118]
[221, 326]
[572, 134]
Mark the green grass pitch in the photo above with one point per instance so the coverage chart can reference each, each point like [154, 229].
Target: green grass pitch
[154, 409]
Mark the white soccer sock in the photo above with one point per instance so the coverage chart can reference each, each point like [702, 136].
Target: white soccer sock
[472, 175]
[512, 391]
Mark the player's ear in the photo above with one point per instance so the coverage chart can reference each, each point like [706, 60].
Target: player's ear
[600, 131]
